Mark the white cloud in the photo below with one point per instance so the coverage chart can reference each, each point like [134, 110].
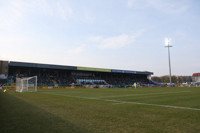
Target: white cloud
[11, 13]
[87, 16]
[116, 42]
[64, 11]
[131, 3]
[59, 8]
[137, 3]
[42, 5]
[172, 7]
[14, 12]
[95, 38]
[166, 6]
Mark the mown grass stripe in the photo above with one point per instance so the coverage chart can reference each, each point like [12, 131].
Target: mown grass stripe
[143, 94]
[123, 102]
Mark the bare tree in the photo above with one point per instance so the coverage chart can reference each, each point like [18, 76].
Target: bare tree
[165, 79]
[175, 79]
[156, 79]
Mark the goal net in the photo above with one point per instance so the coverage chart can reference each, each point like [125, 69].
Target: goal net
[27, 84]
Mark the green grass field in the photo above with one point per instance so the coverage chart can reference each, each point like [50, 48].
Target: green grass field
[152, 110]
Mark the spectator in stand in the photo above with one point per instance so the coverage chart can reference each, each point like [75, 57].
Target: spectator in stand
[0, 86]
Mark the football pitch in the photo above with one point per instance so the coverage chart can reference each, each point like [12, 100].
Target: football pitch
[111, 110]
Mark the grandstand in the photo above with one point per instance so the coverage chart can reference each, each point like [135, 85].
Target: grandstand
[60, 75]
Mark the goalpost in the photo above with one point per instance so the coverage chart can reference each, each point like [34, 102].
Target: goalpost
[27, 84]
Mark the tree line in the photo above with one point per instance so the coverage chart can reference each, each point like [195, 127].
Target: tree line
[175, 79]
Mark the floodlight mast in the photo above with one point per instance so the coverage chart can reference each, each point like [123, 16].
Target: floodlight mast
[167, 44]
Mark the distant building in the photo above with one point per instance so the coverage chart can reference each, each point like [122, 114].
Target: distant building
[196, 77]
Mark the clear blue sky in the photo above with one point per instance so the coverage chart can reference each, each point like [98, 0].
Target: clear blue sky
[118, 34]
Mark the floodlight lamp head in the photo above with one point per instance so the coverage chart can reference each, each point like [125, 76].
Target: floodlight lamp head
[168, 42]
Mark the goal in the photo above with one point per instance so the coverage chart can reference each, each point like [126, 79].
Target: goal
[26, 84]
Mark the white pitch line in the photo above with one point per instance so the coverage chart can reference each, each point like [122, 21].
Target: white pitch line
[123, 102]
[117, 103]
[143, 94]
